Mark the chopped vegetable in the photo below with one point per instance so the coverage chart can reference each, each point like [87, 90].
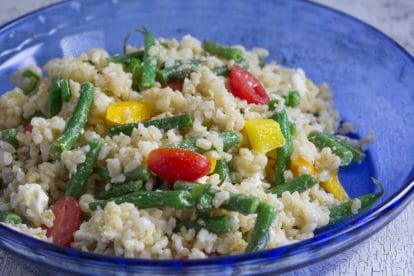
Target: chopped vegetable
[141, 173]
[283, 153]
[183, 120]
[222, 169]
[357, 154]
[9, 135]
[344, 210]
[66, 90]
[54, 101]
[222, 51]
[292, 99]
[102, 172]
[157, 199]
[67, 220]
[120, 113]
[9, 217]
[174, 164]
[246, 87]
[176, 85]
[76, 123]
[150, 62]
[334, 186]
[217, 225]
[33, 81]
[245, 204]
[118, 190]
[298, 184]
[264, 134]
[230, 139]
[125, 59]
[213, 164]
[323, 140]
[179, 71]
[301, 166]
[266, 215]
[79, 179]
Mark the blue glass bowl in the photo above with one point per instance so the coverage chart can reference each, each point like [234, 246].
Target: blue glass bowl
[371, 75]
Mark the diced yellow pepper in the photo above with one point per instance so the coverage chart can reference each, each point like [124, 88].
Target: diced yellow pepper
[213, 163]
[264, 134]
[334, 186]
[296, 165]
[127, 113]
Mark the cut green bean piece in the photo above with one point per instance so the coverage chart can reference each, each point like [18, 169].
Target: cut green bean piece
[222, 169]
[141, 173]
[135, 68]
[183, 120]
[230, 139]
[357, 154]
[221, 70]
[54, 100]
[217, 225]
[76, 123]
[33, 81]
[9, 135]
[66, 90]
[102, 172]
[118, 190]
[222, 51]
[283, 153]
[325, 140]
[125, 59]
[292, 99]
[298, 184]
[266, 215]
[272, 104]
[157, 199]
[245, 204]
[79, 179]
[150, 62]
[181, 70]
[344, 210]
[9, 217]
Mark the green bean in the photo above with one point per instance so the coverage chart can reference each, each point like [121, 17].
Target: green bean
[298, 184]
[322, 140]
[344, 210]
[283, 153]
[9, 217]
[102, 172]
[118, 190]
[222, 169]
[125, 59]
[357, 154]
[221, 70]
[272, 104]
[202, 200]
[54, 101]
[33, 81]
[230, 139]
[266, 215]
[222, 51]
[179, 71]
[178, 121]
[146, 199]
[245, 204]
[292, 128]
[217, 225]
[150, 62]
[292, 99]
[79, 179]
[135, 68]
[76, 123]
[66, 90]
[141, 173]
[9, 135]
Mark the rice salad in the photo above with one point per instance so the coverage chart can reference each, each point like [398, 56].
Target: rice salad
[179, 149]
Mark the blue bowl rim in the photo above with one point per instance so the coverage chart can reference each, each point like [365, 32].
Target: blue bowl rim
[401, 197]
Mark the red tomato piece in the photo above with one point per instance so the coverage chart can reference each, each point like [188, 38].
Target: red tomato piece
[28, 128]
[246, 87]
[178, 164]
[67, 220]
[176, 85]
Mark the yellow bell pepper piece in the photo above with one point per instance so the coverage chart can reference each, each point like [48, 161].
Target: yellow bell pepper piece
[296, 165]
[127, 113]
[264, 134]
[334, 186]
[213, 163]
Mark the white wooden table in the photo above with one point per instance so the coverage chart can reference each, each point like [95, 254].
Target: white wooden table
[389, 252]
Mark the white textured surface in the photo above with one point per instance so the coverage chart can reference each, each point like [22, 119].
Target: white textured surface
[389, 252]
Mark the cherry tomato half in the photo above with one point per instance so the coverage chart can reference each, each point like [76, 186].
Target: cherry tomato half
[178, 164]
[176, 85]
[67, 220]
[245, 86]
